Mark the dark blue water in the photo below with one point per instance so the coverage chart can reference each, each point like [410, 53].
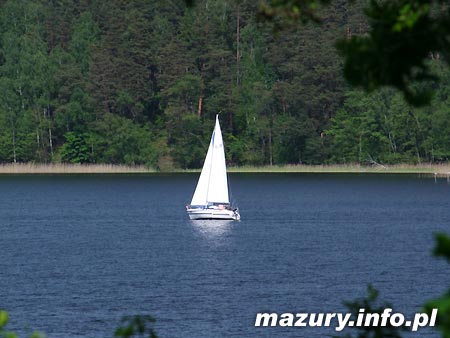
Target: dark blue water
[80, 252]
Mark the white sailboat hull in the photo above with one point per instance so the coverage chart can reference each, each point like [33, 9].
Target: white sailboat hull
[207, 213]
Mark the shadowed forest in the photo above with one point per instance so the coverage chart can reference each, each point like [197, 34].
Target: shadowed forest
[140, 82]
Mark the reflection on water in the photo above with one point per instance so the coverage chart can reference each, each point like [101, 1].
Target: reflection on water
[212, 229]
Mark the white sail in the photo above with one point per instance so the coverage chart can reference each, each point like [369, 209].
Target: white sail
[212, 186]
[201, 191]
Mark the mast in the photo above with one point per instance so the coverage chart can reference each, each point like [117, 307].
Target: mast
[212, 161]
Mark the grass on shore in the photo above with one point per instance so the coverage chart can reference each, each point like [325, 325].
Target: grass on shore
[441, 170]
[66, 168]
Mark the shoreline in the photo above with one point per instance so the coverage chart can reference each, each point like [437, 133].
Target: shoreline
[439, 170]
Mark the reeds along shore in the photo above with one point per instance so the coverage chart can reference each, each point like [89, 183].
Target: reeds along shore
[61, 168]
[440, 170]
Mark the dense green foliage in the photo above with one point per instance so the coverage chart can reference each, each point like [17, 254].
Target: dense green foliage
[140, 82]
[402, 35]
[137, 326]
[381, 127]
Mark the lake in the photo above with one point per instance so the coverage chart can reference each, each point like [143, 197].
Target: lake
[80, 252]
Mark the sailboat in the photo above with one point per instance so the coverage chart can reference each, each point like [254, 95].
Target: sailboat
[211, 200]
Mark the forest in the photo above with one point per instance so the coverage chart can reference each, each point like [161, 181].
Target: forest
[140, 82]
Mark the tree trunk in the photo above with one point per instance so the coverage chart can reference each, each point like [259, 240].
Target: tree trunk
[270, 147]
[14, 144]
[21, 97]
[238, 29]
[360, 147]
[38, 139]
[50, 141]
[200, 101]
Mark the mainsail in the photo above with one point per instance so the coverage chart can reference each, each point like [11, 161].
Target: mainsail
[212, 186]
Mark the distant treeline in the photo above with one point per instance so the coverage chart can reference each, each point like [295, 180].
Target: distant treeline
[139, 82]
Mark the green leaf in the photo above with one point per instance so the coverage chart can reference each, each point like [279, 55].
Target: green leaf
[443, 246]
[3, 318]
